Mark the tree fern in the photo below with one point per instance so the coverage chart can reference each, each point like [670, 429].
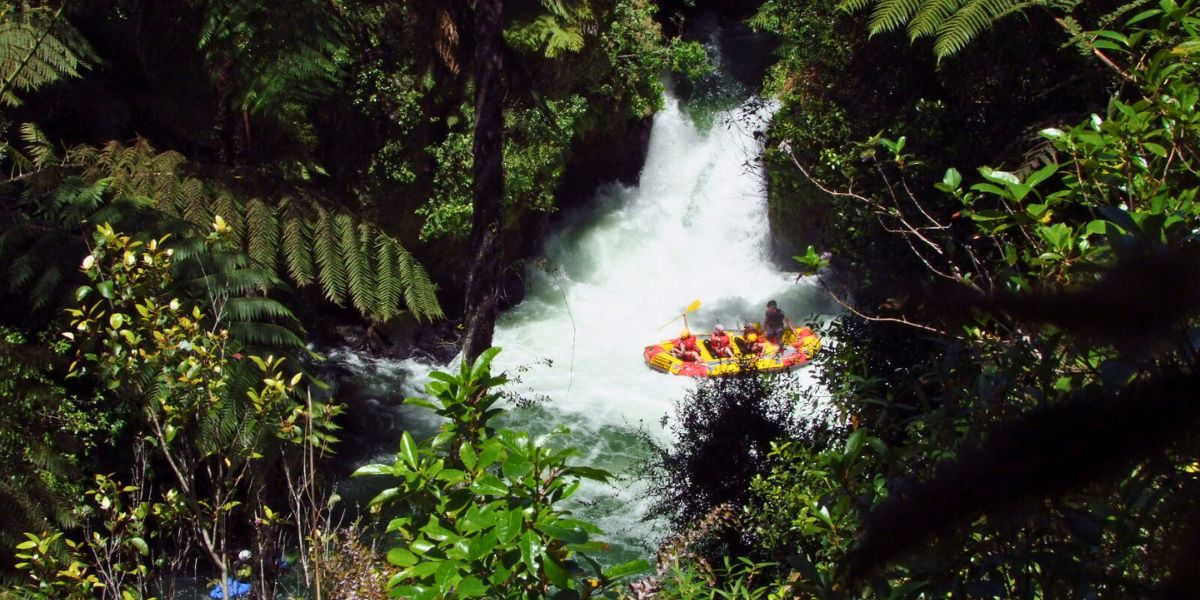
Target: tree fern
[952, 23]
[282, 53]
[556, 31]
[37, 48]
[294, 237]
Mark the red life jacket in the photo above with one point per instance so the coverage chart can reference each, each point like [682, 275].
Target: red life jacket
[688, 343]
[719, 342]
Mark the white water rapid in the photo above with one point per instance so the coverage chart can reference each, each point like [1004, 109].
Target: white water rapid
[694, 228]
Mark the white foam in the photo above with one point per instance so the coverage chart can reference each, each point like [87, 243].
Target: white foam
[695, 227]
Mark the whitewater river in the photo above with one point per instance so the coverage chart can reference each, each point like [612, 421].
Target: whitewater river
[694, 228]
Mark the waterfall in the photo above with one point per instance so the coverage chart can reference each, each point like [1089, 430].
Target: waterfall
[695, 227]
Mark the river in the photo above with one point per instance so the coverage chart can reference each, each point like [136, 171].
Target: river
[695, 227]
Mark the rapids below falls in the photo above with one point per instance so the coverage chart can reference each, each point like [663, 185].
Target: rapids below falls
[694, 227]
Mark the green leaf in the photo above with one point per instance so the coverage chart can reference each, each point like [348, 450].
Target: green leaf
[632, 567]
[530, 550]
[471, 587]
[368, 470]
[451, 476]
[466, 453]
[557, 574]
[1041, 174]
[509, 525]
[385, 496]
[489, 485]
[446, 574]
[408, 449]
[401, 557]
[491, 453]
[1001, 177]
[573, 536]
[140, 544]
[952, 179]
[855, 442]
[516, 467]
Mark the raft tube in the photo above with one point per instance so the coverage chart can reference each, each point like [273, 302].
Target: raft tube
[799, 346]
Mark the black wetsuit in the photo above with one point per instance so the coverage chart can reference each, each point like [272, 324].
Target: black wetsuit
[773, 324]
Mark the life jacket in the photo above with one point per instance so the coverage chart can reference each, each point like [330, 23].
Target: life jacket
[719, 342]
[774, 320]
[688, 343]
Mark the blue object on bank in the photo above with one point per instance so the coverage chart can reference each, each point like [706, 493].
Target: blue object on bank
[237, 589]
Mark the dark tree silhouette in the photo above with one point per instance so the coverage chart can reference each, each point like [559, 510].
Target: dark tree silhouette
[480, 306]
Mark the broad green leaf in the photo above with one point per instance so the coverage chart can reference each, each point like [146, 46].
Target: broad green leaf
[516, 467]
[632, 567]
[467, 454]
[408, 449]
[367, 470]
[508, 526]
[952, 179]
[489, 485]
[531, 549]
[557, 574]
[471, 587]
[401, 557]
[573, 536]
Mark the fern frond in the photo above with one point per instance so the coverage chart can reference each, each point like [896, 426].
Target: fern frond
[232, 210]
[284, 53]
[358, 264]
[331, 268]
[890, 14]
[953, 23]
[41, 152]
[388, 288]
[254, 308]
[968, 22]
[262, 231]
[44, 290]
[265, 334]
[853, 6]
[38, 48]
[240, 281]
[930, 15]
[297, 243]
[420, 295]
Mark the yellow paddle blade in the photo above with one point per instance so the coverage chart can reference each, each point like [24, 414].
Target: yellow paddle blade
[691, 308]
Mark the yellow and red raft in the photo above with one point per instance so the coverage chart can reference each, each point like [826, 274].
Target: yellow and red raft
[797, 348]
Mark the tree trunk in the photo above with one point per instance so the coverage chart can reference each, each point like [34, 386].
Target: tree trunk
[483, 278]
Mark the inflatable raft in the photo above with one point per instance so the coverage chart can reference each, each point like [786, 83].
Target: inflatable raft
[798, 348]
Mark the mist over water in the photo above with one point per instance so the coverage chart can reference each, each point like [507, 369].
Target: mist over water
[694, 228]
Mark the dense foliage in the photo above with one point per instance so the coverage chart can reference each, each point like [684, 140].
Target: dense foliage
[1004, 206]
[1022, 388]
[193, 189]
[483, 514]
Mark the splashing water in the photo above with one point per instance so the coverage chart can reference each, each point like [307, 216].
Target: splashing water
[695, 227]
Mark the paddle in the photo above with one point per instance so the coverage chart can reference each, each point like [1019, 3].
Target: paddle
[690, 308]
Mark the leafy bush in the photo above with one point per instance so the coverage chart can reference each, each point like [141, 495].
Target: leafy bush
[722, 434]
[481, 507]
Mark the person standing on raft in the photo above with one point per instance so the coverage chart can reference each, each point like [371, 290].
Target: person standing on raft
[773, 323]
